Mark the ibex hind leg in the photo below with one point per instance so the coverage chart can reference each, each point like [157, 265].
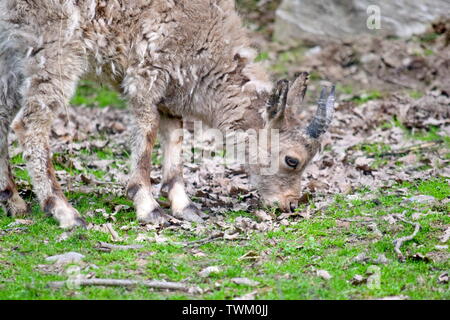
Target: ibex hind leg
[9, 104]
[9, 196]
[173, 185]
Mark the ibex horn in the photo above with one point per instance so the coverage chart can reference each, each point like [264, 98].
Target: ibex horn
[324, 114]
[277, 101]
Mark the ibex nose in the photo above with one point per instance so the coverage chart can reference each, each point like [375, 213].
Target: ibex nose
[293, 205]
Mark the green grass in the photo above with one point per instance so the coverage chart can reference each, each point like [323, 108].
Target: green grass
[432, 133]
[286, 59]
[429, 37]
[287, 258]
[93, 95]
[262, 56]
[367, 96]
[416, 94]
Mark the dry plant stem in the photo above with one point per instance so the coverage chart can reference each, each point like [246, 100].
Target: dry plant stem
[179, 286]
[211, 238]
[417, 147]
[114, 234]
[398, 242]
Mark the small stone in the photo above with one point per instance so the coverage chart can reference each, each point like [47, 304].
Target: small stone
[323, 274]
[423, 199]
[66, 258]
[261, 215]
[381, 259]
[362, 161]
[245, 281]
[417, 215]
[443, 278]
[361, 258]
[207, 271]
[357, 280]
[118, 127]
[64, 236]
[248, 296]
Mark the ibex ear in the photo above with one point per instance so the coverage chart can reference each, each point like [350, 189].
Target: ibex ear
[297, 91]
[276, 105]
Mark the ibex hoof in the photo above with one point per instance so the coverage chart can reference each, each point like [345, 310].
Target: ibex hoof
[17, 208]
[80, 222]
[16, 212]
[13, 204]
[73, 222]
[189, 213]
[155, 216]
[66, 215]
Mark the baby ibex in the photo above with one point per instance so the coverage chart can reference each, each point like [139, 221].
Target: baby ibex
[170, 59]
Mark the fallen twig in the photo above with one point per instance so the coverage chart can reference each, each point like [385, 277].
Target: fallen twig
[211, 238]
[405, 151]
[398, 242]
[156, 284]
[15, 229]
[114, 235]
[104, 246]
[361, 219]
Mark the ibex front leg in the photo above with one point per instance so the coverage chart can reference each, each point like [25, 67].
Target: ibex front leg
[171, 142]
[139, 187]
[50, 76]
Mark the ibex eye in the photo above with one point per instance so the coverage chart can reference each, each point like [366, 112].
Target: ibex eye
[291, 162]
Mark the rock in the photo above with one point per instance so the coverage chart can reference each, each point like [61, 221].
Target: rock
[361, 258]
[208, 270]
[66, 258]
[323, 274]
[443, 278]
[362, 161]
[423, 199]
[245, 281]
[247, 296]
[311, 20]
[381, 259]
[64, 236]
[444, 238]
[261, 215]
[358, 279]
[417, 215]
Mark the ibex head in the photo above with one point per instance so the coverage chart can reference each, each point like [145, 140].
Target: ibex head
[297, 143]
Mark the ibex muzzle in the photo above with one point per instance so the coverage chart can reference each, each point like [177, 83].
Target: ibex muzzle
[297, 143]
